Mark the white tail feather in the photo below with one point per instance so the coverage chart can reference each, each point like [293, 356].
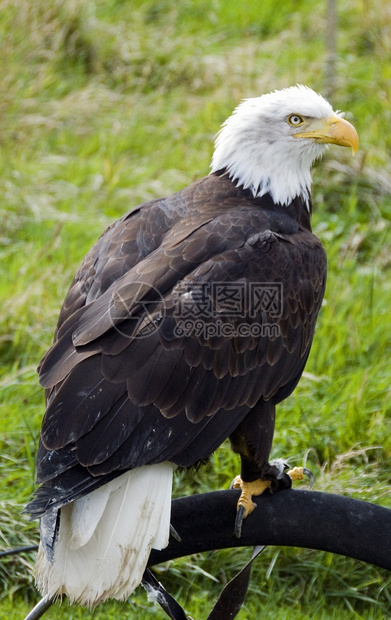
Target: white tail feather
[106, 537]
[85, 515]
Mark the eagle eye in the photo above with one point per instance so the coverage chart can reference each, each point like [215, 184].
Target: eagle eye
[295, 120]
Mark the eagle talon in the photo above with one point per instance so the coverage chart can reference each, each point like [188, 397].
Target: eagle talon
[298, 473]
[174, 534]
[245, 505]
[239, 521]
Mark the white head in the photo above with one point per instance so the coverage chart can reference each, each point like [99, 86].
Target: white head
[270, 142]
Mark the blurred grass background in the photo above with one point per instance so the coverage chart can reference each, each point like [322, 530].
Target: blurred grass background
[107, 103]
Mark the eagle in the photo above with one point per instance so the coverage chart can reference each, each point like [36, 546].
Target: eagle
[188, 321]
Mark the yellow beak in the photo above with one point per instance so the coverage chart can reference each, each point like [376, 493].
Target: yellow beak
[334, 130]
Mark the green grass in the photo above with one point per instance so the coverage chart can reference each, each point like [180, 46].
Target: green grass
[107, 103]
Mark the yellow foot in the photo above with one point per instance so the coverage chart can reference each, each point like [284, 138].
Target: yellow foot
[298, 473]
[245, 505]
[257, 487]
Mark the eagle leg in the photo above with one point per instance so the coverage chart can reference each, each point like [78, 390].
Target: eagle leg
[252, 439]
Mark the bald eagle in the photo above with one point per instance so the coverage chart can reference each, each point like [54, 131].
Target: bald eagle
[189, 320]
